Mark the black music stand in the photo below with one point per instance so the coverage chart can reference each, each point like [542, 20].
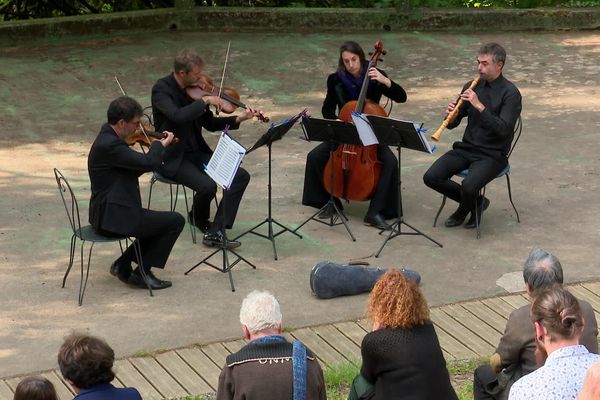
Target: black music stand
[273, 134]
[226, 266]
[399, 134]
[335, 132]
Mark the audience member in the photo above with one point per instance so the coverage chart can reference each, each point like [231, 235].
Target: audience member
[558, 323]
[402, 357]
[514, 356]
[269, 367]
[591, 384]
[35, 388]
[86, 363]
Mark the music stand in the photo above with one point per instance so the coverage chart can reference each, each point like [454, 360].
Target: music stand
[399, 134]
[274, 133]
[226, 266]
[335, 132]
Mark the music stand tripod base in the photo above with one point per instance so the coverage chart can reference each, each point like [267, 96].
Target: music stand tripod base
[226, 266]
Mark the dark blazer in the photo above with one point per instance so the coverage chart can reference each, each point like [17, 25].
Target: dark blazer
[106, 391]
[173, 111]
[114, 168]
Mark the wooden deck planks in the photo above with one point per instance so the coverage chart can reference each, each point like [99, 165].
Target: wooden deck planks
[62, 390]
[235, 345]
[216, 352]
[183, 373]
[455, 349]
[499, 306]
[202, 364]
[131, 377]
[582, 293]
[327, 354]
[160, 379]
[352, 331]
[5, 392]
[459, 332]
[486, 314]
[473, 323]
[517, 301]
[341, 343]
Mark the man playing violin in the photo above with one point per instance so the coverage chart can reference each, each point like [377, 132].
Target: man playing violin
[183, 162]
[116, 205]
[492, 107]
[342, 86]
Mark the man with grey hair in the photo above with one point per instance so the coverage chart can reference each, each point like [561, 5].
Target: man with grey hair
[269, 367]
[492, 106]
[515, 354]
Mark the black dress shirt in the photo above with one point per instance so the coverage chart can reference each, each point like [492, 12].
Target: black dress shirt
[490, 132]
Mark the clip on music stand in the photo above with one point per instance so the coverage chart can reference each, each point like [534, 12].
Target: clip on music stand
[226, 266]
[398, 134]
[335, 132]
[273, 134]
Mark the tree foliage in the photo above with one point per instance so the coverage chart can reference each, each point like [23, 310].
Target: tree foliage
[28, 9]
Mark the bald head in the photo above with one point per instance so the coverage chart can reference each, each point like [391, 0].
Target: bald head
[542, 270]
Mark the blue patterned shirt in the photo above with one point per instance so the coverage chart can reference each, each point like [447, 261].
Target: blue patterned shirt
[560, 378]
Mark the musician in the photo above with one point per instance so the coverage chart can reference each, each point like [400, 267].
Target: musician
[492, 107]
[183, 162]
[342, 86]
[116, 205]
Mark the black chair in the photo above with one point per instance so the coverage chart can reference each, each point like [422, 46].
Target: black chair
[505, 172]
[156, 177]
[85, 233]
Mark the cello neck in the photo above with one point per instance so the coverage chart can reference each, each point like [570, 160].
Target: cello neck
[360, 102]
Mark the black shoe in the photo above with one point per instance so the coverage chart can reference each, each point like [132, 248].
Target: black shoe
[215, 239]
[377, 221]
[202, 224]
[121, 271]
[455, 219]
[483, 205]
[135, 279]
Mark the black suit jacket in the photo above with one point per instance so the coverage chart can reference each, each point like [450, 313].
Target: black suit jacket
[174, 112]
[114, 168]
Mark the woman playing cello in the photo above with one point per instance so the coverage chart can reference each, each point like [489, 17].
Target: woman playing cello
[342, 86]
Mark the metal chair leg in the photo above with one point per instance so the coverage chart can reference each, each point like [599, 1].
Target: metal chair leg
[439, 211]
[510, 198]
[71, 259]
[478, 216]
[187, 210]
[137, 247]
[152, 180]
[83, 282]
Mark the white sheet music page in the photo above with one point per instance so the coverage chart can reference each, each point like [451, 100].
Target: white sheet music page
[225, 161]
[363, 126]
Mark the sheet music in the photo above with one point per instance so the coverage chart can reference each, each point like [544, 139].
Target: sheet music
[225, 161]
[421, 131]
[363, 126]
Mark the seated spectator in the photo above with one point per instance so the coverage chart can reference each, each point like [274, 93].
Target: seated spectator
[35, 388]
[86, 363]
[558, 324]
[591, 384]
[402, 357]
[514, 356]
[269, 367]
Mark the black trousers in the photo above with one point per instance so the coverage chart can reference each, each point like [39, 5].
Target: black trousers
[485, 385]
[191, 174]
[156, 234]
[385, 198]
[482, 170]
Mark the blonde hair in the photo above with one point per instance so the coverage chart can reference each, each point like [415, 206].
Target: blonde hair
[397, 302]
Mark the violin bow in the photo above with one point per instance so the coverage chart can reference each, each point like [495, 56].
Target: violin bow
[125, 94]
[223, 74]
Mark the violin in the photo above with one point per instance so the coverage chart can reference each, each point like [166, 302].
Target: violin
[231, 98]
[357, 169]
[145, 135]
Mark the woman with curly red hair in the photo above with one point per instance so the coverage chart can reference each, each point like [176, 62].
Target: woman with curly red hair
[401, 357]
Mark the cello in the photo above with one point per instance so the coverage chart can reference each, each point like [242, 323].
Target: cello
[360, 169]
